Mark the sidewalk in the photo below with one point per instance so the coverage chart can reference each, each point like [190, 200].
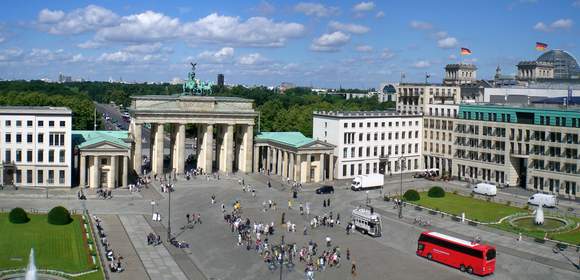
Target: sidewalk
[156, 259]
[121, 245]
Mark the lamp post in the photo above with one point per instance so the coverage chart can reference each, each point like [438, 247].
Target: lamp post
[282, 259]
[169, 216]
[402, 160]
[152, 207]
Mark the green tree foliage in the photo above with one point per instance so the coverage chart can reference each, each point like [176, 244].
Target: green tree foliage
[59, 216]
[18, 216]
[411, 195]
[436, 192]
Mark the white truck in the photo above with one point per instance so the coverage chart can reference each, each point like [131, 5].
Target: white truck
[485, 189]
[370, 181]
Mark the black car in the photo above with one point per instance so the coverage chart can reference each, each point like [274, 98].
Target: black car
[325, 189]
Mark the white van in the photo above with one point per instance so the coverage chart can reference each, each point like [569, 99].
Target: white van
[486, 189]
[547, 200]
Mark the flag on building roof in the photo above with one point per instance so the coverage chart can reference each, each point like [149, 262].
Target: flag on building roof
[541, 46]
[465, 51]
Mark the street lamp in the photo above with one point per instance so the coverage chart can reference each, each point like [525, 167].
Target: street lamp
[282, 259]
[169, 216]
[402, 160]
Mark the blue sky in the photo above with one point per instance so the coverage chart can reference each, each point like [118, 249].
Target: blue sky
[323, 44]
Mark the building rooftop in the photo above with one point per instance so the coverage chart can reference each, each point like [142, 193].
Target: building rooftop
[364, 114]
[32, 110]
[462, 66]
[294, 139]
[190, 97]
[85, 138]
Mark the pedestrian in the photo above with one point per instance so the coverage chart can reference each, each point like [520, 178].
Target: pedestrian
[353, 269]
[212, 198]
[324, 203]
[328, 203]
[269, 184]
[283, 218]
[301, 209]
[520, 236]
[223, 208]
[289, 204]
[348, 254]
[188, 220]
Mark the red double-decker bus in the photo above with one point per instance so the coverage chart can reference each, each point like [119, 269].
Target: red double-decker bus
[467, 256]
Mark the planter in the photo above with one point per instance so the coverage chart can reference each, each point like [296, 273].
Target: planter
[539, 240]
[456, 219]
[432, 212]
[472, 223]
[418, 208]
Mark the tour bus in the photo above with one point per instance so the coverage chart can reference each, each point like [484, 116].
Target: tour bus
[367, 221]
[470, 257]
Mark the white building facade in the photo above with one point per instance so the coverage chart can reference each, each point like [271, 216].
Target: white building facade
[35, 146]
[371, 142]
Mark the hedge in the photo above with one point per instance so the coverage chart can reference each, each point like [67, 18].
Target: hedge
[59, 216]
[411, 195]
[436, 192]
[18, 216]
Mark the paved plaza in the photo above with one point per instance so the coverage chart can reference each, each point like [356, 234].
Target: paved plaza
[214, 253]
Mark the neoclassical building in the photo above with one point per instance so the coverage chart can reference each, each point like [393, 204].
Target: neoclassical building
[102, 158]
[295, 156]
[223, 131]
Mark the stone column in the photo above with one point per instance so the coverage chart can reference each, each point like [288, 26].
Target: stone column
[291, 165]
[330, 167]
[321, 167]
[280, 161]
[247, 144]
[111, 184]
[227, 156]
[308, 167]
[95, 180]
[152, 148]
[285, 165]
[137, 156]
[179, 153]
[268, 159]
[159, 147]
[125, 171]
[298, 168]
[82, 170]
[274, 161]
[256, 159]
[207, 149]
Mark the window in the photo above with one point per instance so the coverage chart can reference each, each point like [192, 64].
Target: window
[368, 124]
[29, 123]
[29, 176]
[29, 138]
[41, 123]
[18, 123]
[18, 176]
[345, 125]
[56, 139]
[61, 155]
[8, 138]
[360, 137]
[8, 156]
[29, 156]
[50, 176]
[18, 137]
[368, 137]
[344, 167]
[62, 123]
[368, 151]
[352, 169]
[360, 151]
[39, 176]
[376, 124]
[18, 155]
[40, 138]
[51, 123]
[40, 155]
[50, 155]
[382, 136]
[7, 123]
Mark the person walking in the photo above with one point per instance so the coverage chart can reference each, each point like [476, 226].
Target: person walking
[353, 269]
[212, 198]
[348, 254]
[328, 203]
[289, 204]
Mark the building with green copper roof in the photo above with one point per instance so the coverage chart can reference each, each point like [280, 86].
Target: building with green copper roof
[293, 139]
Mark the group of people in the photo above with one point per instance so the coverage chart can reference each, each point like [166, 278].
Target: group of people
[326, 220]
[104, 194]
[141, 182]
[114, 260]
[166, 187]
[153, 239]
[193, 173]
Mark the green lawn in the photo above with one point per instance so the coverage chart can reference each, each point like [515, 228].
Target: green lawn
[56, 247]
[475, 209]
[572, 236]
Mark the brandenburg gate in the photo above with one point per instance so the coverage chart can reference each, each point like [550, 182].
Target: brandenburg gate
[223, 129]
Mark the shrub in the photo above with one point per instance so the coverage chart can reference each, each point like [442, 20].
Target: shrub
[455, 192]
[508, 203]
[411, 195]
[18, 216]
[436, 192]
[59, 216]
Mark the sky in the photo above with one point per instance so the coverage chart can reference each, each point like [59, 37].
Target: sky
[350, 44]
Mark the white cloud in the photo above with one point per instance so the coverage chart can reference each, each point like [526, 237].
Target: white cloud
[219, 56]
[364, 6]
[387, 54]
[380, 14]
[562, 24]
[329, 42]
[8, 55]
[558, 24]
[264, 8]
[77, 58]
[251, 59]
[48, 16]
[447, 43]
[144, 27]
[148, 48]
[440, 35]
[315, 9]
[422, 64]
[349, 27]
[77, 21]
[421, 25]
[364, 48]
[127, 58]
[90, 44]
[256, 31]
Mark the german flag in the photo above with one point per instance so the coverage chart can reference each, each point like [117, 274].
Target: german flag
[465, 51]
[541, 46]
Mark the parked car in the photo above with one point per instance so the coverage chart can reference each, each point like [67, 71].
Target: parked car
[547, 200]
[485, 189]
[325, 189]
